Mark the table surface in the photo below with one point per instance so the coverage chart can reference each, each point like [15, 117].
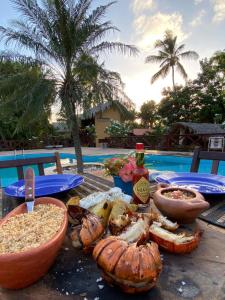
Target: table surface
[199, 275]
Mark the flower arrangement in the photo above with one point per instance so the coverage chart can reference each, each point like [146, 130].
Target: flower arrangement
[121, 166]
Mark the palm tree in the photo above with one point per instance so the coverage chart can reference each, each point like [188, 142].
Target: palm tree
[66, 36]
[169, 56]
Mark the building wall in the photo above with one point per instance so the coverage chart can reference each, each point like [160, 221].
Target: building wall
[102, 120]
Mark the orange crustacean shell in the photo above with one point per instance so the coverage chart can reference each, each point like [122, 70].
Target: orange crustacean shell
[134, 268]
[178, 248]
[92, 229]
[89, 232]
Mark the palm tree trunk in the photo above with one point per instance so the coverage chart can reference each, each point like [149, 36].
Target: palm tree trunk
[73, 123]
[77, 144]
[173, 80]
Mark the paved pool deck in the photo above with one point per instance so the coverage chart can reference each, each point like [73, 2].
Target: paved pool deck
[94, 151]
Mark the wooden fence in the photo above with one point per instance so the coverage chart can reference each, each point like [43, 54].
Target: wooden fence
[9, 145]
[185, 142]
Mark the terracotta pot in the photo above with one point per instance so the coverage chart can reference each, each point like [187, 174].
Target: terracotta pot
[18, 270]
[183, 211]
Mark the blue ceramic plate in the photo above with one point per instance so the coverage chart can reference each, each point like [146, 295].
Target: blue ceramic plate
[45, 185]
[204, 183]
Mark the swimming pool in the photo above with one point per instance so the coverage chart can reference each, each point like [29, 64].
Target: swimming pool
[156, 162]
[9, 175]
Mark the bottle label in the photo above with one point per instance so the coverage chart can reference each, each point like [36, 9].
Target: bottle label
[142, 189]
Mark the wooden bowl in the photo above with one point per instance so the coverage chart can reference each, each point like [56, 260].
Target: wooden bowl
[19, 270]
[183, 211]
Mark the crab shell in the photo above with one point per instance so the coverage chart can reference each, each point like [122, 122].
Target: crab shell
[172, 247]
[133, 268]
[88, 233]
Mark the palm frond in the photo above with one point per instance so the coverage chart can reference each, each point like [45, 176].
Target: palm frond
[179, 49]
[112, 46]
[189, 55]
[164, 54]
[32, 12]
[96, 33]
[181, 70]
[98, 13]
[25, 39]
[166, 61]
[160, 44]
[154, 59]
[163, 72]
[79, 11]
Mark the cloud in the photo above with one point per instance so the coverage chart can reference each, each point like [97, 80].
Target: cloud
[198, 19]
[219, 10]
[149, 29]
[139, 6]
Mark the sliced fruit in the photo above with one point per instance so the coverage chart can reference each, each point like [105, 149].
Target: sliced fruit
[102, 210]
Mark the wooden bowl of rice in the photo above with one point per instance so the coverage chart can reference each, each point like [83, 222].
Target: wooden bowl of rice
[29, 243]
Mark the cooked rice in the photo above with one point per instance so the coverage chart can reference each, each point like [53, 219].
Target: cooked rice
[30, 230]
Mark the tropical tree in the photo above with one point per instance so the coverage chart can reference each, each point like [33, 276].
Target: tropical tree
[24, 80]
[67, 36]
[148, 113]
[201, 100]
[209, 90]
[169, 56]
[182, 107]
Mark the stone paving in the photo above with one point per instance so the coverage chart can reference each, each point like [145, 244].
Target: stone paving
[94, 151]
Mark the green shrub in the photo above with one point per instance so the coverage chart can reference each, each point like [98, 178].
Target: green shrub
[116, 129]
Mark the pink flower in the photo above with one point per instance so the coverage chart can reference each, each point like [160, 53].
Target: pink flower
[122, 166]
[126, 173]
[132, 160]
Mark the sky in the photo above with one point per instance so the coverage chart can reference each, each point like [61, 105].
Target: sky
[199, 24]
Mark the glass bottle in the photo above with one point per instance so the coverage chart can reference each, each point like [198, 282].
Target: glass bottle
[141, 185]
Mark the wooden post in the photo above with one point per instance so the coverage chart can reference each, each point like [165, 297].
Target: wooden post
[58, 163]
[195, 160]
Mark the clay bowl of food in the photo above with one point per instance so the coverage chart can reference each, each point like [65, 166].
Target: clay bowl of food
[182, 205]
[29, 242]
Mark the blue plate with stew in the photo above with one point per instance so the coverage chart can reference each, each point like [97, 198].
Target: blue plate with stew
[46, 185]
[204, 183]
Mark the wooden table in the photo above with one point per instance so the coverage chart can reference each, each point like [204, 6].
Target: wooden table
[199, 275]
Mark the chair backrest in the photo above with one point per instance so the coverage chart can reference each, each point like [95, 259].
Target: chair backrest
[215, 156]
[39, 161]
[216, 143]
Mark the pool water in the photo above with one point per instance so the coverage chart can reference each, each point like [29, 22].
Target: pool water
[156, 162]
[9, 175]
